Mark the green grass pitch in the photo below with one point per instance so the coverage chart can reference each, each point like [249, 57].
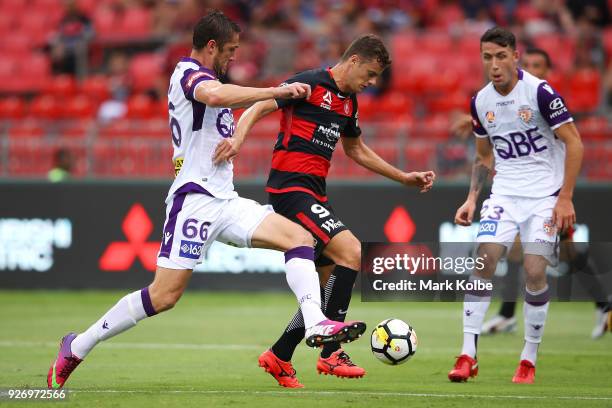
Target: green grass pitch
[204, 353]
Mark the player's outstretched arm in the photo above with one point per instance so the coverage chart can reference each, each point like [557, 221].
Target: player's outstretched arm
[216, 94]
[356, 149]
[483, 165]
[228, 148]
[564, 215]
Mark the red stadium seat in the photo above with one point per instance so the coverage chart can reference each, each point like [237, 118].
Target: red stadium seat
[144, 70]
[16, 44]
[14, 7]
[35, 70]
[79, 107]
[594, 128]
[12, 108]
[61, 86]
[435, 42]
[7, 24]
[420, 155]
[558, 81]
[432, 127]
[105, 22]
[584, 85]
[135, 22]
[448, 103]
[404, 45]
[96, 88]
[393, 105]
[140, 107]
[88, 6]
[46, 107]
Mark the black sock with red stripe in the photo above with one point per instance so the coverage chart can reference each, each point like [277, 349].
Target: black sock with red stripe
[336, 299]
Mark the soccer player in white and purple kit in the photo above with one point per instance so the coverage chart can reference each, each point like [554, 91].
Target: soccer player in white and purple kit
[523, 127]
[202, 205]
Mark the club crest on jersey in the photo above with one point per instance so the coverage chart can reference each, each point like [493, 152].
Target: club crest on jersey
[549, 228]
[525, 113]
[347, 107]
[490, 116]
[225, 123]
[327, 101]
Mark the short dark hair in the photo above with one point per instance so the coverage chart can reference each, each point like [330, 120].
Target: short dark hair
[214, 26]
[539, 51]
[369, 47]
[499, 36]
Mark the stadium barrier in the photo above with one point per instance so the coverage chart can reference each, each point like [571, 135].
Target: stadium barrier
[81, 235]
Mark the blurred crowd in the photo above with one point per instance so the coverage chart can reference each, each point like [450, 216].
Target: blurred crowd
[111, 59]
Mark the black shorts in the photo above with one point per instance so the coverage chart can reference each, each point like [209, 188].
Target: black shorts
[315, 216]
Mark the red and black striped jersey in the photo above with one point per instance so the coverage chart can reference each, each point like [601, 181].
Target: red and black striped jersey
[309, 131]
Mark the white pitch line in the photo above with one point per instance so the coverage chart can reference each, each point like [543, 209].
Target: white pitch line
[208, 346]
[179, 346]
[344, 393]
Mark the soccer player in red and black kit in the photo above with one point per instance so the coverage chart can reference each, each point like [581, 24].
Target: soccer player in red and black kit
[309, 131]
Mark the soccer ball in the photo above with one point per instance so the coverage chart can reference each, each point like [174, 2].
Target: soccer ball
[393, 341]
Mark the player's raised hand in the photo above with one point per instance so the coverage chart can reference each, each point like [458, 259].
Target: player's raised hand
[295, 90]
[564, 215]
[421, 179]
[465, 213]
[462, 125]
[226, 150]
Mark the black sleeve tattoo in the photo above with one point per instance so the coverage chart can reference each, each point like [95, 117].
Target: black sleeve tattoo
[480, 172]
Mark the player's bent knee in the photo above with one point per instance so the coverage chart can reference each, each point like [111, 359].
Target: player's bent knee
[350, 256]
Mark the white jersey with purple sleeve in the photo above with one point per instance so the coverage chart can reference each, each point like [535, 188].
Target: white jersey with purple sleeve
[529, 158]
[196, 131]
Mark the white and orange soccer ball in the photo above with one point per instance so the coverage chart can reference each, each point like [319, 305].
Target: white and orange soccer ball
[393, 341]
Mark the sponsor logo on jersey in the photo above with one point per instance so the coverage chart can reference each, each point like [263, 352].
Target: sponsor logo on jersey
[178, 165]
[558, 107]
[332, 133]
[330, 225]
[556, 104]
[487, 228]
[194, 76]
[190, 249]
[549, 227]
[505, 103]
[525, 113]
[327, 100]
[490, 116]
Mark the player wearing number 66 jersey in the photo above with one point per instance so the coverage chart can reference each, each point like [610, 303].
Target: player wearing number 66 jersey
[523, 127]
[202, 205]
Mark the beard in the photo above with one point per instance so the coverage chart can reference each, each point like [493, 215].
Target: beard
[218, 68]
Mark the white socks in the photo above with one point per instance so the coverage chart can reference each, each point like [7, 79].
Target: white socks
[303, 280]
[475, 305]
[124, 315]
[535, 310]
